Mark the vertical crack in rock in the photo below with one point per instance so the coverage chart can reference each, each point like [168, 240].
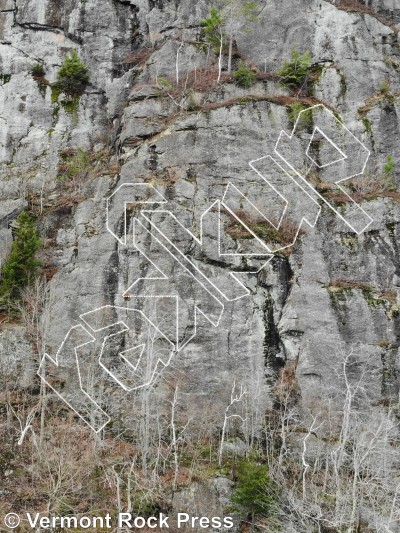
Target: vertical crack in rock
[275, 357]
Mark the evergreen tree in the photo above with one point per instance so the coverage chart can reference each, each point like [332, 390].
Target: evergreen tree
[214, 34]
[294, 72]
[21, 266]
[73, 75]
[212, 28]
[255, 492]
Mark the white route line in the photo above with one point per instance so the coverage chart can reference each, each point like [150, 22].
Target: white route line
[140, 346]
[42, 373]
[141, 193]
[362, 146]
[57, 361]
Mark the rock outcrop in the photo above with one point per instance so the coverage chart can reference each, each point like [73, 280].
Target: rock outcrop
[334, 293]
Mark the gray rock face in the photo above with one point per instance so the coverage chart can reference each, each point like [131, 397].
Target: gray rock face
[210, 498]
[337, 292]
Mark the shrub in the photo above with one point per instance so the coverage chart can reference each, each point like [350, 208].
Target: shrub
[193, 102]
[5, 78]
[284, 236]
[287, 390]
[164, 83]
[244, 76]
[294, 110]
[139, 57]
[294, 72]
[73, 75]
[74, 165]
[384, 86]
[389, 166]
[21, 266]
[254, 492]
[38, 71]
[202, 79]
[388, 170]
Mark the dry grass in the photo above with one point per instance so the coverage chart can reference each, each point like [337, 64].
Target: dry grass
[370, 187]
[197, 79]
[138, 58]
[357, 6]
[363, 188]
[340, 198]
[279, 99]
[387, 99]
[261, 75]
[390, 296]
[205, 80]
[202, 80]
[284, 237]
[78, 167]
[374, 297]
[167, 177]
[343, 284]
[48, 268]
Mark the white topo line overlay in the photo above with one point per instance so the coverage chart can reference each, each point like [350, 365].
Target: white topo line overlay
[210, 296]
[347, 159]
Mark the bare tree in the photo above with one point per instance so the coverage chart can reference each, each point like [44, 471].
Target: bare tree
[35, 309]
[236, 398]
[349, 476]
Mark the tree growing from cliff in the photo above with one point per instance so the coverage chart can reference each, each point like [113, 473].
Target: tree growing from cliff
[238, 16]
[213, 34]
[73, 75]
[224, 24]
[244, 76]
[294, 72]
[21, 265]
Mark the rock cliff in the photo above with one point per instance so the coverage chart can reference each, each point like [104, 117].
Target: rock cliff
[153, 114]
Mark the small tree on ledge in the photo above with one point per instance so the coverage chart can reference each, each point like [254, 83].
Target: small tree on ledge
[73, 75]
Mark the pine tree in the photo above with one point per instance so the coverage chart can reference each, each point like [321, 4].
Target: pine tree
[214, 34]
[255, 492]
[295, 71]
[21, 265]
[73, 75]
[212, 28]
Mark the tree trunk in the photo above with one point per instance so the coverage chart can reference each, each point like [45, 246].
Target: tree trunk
[220, 59]
[230, 55]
